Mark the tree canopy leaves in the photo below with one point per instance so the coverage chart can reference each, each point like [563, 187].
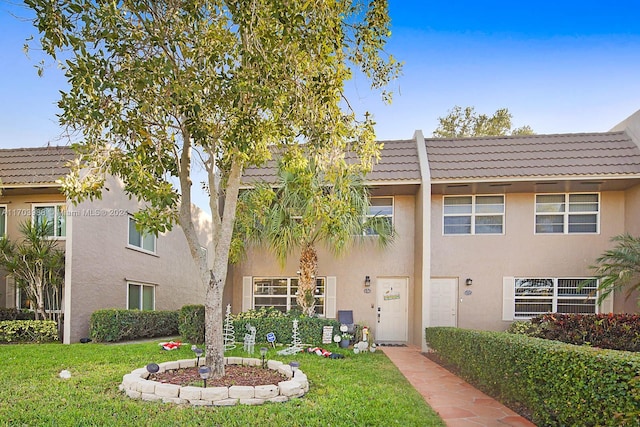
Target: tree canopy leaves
[160, 87]
[465, 123]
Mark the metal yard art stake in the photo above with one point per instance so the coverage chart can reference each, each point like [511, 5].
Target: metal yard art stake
[296, 344]
[229, 334]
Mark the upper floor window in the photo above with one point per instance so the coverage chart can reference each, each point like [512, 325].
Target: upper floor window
[536, 296]
[567, 213]
[143, 241]
[3, 221]
[280, 293]
[141, 297]
[381, 207]
[473, 214]
[54, 215]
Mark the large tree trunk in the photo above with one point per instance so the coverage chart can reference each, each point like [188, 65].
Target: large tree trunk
[213, 336]
[307, 281]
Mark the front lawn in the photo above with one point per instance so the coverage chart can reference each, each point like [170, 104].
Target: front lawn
[364, 390]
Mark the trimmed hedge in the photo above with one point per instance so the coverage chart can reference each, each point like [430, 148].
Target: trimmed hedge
[561, 384]
[120, 325]
[265, 320]
[619, 331]
[309, 329]
[15, 314]
[25, 331]
[191, 323]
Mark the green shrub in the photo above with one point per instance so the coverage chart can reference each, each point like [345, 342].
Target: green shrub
[24, 331]
[119, 325]
[619, 331]
[524, 327]
[560, 384]
[309, 328]
[16, 314]
[191, 323]
[261, 313]
[264, 319]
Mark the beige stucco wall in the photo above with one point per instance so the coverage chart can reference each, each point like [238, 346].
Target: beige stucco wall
[632, 226]
[19, 210]
[518, 252]
[100, 263]
[350, 269]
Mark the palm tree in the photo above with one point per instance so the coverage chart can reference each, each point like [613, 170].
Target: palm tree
[308, 205]
[619, 267]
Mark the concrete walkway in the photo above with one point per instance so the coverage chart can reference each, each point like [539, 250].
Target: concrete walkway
[458, 403]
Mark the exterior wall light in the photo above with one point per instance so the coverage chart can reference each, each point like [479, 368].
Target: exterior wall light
[468, 282]
[367, 281]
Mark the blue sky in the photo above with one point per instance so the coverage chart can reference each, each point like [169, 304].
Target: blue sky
[558, 66]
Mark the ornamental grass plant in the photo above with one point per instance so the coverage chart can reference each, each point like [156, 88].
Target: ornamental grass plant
[359, 390]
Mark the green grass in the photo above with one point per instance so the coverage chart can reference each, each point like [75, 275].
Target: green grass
[361, 390]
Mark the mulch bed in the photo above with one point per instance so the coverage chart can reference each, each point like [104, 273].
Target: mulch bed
[515, 407]
[233, 375]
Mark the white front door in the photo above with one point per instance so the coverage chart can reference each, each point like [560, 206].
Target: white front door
[444, 302]
[392, 310]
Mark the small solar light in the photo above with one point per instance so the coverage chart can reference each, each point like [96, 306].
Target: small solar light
[294, 366]
[204, 372]
[263, 353]
[198, 352]
[152, 368]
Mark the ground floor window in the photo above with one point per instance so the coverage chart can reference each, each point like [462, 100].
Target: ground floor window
[536, 296]
[52, 299]
[141, 297]
[280, 293]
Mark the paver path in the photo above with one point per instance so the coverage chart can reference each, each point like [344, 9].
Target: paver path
[456, 401]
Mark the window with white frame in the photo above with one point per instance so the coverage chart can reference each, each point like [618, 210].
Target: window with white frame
[54, 216]
[139, 240]
[52, 299]
[141, 297]
[473, 214]
[567, 213]
[3, 221]
[381, 207]
[280, 293]
[536, 296]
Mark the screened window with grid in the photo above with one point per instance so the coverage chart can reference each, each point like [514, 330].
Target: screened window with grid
[473, 214]
[535, 296]
[280, 293]
[567, 213]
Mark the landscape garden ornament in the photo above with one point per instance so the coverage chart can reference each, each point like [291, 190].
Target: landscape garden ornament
[171, 345]
[296, 343]
[229, 334]
[324, 353]
[250, 338]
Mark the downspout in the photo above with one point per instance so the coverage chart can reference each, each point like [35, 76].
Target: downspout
[425, 238]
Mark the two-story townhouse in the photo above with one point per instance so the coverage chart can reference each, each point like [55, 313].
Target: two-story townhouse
[108, 262]
[490, 230]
